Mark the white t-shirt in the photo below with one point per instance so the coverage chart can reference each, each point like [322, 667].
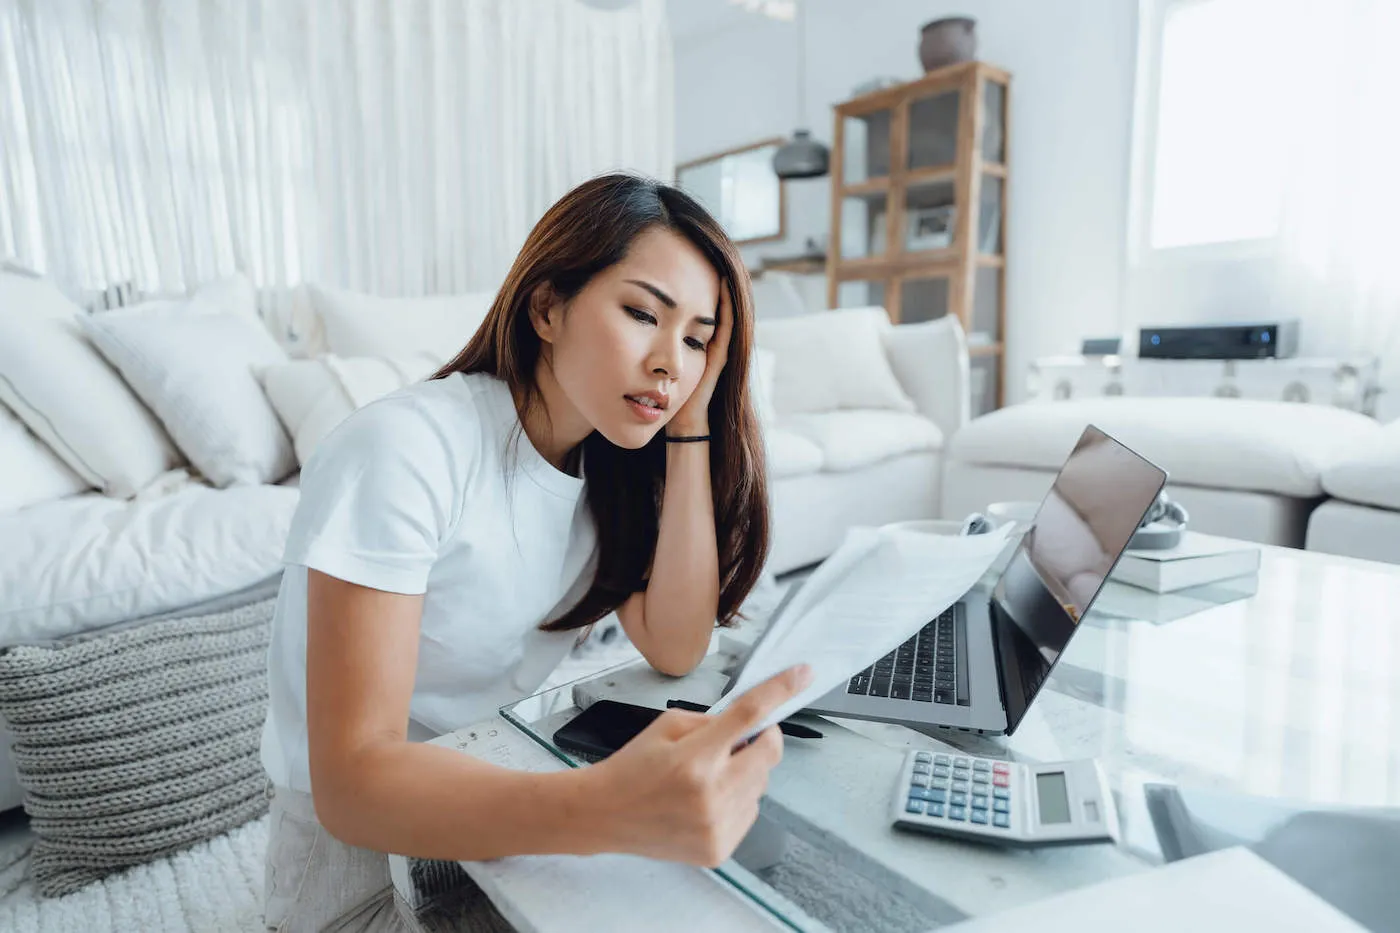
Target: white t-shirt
[425, 491]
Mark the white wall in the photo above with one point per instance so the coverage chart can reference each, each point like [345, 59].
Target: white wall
[1072, 66]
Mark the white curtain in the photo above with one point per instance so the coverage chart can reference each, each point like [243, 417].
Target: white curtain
[1339, 238]
[393, 146]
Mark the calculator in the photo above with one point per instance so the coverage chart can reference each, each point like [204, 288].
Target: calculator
[1012, 804]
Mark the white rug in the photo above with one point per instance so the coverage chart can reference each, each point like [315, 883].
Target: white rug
[214, 887]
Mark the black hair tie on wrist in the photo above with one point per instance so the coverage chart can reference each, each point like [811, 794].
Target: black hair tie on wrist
[686, 439]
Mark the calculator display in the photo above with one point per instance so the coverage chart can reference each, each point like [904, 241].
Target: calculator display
[1054, 797]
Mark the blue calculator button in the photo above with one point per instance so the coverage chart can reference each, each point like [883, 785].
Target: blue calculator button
[979, 802]
[979, 816]
[1002, 806]
[957, 813]
[1001, 821]
[1001, 793]
[958, 800]
[915, 805]
[922, 793]
[934, 809]
[937, 796]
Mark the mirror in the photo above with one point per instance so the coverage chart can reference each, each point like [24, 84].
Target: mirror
[741, 190]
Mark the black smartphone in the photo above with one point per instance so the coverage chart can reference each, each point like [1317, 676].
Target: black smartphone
[603, 728]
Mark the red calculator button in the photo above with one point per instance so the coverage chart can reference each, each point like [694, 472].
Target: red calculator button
[1001, 769]
[1001, 780]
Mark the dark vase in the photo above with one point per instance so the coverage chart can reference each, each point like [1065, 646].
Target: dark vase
[948, 41]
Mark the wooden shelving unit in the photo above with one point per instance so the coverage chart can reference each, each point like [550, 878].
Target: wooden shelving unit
[918, 208]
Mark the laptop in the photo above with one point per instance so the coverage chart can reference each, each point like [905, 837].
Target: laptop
[979, 665]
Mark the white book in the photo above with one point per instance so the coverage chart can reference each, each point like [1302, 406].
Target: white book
[1197, 560]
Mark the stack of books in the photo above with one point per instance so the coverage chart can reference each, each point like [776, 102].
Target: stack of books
[1199, 559]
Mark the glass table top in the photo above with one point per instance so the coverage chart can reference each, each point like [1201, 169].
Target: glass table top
[1280, 685]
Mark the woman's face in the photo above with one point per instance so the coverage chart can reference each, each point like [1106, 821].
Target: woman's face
[629, 349]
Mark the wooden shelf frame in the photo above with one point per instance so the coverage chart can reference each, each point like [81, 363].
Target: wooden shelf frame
[960, 262]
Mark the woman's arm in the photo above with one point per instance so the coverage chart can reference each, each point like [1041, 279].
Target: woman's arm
[373, 788]
[678, 791]
[670, 621]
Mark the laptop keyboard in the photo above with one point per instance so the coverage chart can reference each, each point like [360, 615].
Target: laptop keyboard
[931, 667]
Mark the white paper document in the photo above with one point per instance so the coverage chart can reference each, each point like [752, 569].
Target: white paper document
[881, 586]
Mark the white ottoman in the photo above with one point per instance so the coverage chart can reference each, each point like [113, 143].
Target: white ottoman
[1243, 468]
[1362, 519]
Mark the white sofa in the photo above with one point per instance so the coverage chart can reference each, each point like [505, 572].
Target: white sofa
[1243, 468]
[107, 521]
[1362, 516]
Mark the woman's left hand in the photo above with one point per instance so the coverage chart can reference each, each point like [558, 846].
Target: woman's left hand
[694, 416]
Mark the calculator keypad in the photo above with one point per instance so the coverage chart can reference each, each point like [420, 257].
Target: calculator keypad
[961, 789]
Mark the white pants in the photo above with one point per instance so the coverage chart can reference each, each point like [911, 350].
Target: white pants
[315, 882]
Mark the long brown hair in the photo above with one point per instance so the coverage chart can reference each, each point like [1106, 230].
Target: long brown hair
[585, 232]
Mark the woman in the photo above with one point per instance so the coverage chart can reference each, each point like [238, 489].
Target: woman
[447, 551]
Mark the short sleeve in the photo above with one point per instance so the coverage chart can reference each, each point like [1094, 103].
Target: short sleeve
[377, 499]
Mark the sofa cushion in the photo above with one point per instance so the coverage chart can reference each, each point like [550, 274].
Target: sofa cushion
[192, 362]
[832, 360]
[30, 472]
[790, 454]
[1277, 447]
[1369, 473]
[90, 561]
[313, 396]
[850, 440]
[369, 325]
[67, 394]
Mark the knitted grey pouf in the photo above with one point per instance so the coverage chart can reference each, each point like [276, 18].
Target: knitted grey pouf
[135, 743]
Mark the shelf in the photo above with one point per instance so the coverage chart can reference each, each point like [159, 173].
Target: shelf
[991, 260]
[984, 349]
[803, 266]
[932, 174]
[864, 189]
[996, 169]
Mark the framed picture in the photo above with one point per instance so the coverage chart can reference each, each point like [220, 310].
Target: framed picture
[928, 228]
[741, 190]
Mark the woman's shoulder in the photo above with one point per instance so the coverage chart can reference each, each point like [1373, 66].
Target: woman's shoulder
[460, 414]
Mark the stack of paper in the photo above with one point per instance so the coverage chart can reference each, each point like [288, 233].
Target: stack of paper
[1197, 560]
[880, 587]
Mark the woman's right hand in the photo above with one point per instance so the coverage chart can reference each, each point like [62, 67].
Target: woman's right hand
[680, 791]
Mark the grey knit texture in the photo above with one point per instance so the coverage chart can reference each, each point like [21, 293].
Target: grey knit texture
[137, 743]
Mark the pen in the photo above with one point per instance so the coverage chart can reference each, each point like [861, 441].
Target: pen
[796, 730]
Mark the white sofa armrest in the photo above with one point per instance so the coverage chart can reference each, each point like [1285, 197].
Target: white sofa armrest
[930, 361]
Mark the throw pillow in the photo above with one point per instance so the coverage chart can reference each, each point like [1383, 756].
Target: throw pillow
[367, 325]
[134, 743]
[832, 360]
[30, 471]
[763, 370]
[313, 396]
[193, 363]
[67, 394]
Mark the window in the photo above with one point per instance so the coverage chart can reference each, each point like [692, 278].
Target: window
[1216, 120]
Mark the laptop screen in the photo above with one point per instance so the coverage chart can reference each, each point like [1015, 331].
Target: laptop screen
[1082, 527]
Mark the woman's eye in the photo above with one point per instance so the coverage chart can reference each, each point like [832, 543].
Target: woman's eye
[695, 343]
[640, 315]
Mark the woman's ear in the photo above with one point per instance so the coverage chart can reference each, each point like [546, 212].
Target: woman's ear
[544, 312]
